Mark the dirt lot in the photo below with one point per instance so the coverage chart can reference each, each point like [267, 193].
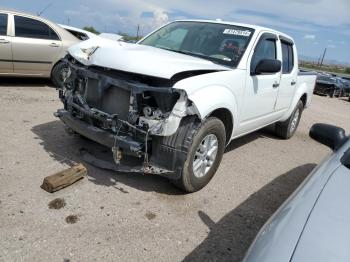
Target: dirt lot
[132, 217]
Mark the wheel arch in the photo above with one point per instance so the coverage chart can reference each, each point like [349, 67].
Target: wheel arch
[301, 95]
[226, 118]
[304, 99]
[218, 101]
[53, 67]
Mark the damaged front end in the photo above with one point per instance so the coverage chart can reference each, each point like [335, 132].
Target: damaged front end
[134, 115]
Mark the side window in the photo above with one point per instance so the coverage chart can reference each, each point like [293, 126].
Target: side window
[31, 28]
[287, 58]
[3, 24]
[291, 58]
[266, 49]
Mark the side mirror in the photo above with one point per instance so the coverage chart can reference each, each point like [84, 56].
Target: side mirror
[268, 66]
[332, 136]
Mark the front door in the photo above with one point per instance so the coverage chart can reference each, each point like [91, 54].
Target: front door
[261, 90]
[35, 46]
[6, 65]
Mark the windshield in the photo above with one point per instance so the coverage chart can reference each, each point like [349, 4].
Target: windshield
[219, 43]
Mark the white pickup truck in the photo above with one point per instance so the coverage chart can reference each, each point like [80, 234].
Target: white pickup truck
[176, 99]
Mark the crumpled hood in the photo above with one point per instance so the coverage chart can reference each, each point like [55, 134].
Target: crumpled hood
[137, 58]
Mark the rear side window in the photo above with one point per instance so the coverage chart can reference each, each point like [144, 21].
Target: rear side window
[266, 49]
[31, 28]
[287, 58]
[3, 24]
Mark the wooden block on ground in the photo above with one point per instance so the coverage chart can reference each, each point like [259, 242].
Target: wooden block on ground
[64, 178]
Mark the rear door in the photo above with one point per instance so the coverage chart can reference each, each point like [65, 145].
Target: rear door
[289, 75]
[35, 46]
[6, 65]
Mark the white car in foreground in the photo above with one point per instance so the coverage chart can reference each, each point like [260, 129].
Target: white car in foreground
[180, 95]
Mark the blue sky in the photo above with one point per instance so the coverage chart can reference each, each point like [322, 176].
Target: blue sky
[314, 24]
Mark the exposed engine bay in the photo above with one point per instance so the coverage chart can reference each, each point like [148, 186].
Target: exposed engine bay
[132, 114]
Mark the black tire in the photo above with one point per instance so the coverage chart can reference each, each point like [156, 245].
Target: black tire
[287, 128]
[189, 182]
[341, 93]
[332, 93]
[57, 74]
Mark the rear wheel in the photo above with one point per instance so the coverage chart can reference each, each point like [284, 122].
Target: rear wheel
[287, 128]
[204, 156]
[59, 74]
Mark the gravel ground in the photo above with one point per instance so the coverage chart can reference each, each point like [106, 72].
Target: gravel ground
[131, 217]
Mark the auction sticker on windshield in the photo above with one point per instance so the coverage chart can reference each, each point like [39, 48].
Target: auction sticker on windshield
[237, 32]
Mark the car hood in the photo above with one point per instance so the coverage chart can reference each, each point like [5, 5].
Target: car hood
[326, 233]
[138, 58]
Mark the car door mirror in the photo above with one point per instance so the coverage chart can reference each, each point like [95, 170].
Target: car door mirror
[267, 66]
[332, 136]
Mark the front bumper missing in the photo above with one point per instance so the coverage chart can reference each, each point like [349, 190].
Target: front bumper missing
[100, 136]
[124, 168]
[127, 144]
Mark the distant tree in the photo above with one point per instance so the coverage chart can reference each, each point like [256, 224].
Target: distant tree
[91, 29]
[347, 70]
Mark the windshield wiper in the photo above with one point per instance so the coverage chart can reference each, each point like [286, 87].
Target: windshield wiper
[186, 53]
[208, 58]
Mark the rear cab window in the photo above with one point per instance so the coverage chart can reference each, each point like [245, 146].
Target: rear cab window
[31, 28]
[3, 24]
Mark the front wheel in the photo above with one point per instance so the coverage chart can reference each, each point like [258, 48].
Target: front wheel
[204, 156]
[59, 74]
[287, 128]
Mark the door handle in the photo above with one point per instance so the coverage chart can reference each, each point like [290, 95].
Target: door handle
[4, 41]
[54, 45]
[293, 83]
[275, 85]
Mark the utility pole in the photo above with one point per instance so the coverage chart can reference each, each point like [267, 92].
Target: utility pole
[324, 54]
[138, 31]
[319, 60]
[68, 20]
